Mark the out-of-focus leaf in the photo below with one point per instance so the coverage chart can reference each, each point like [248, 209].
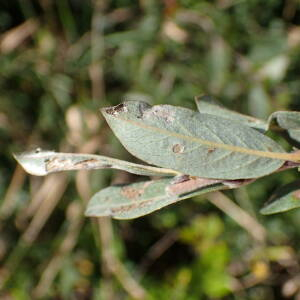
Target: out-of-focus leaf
[61, 87]
[196, 144]
[259, 102]
[275, 69]
[276, 253]
[214, 261]
[207, 105]
[288, 120]
[287, 197]
[41, 163]
[219, 59]
[268, 46]
[139, 199]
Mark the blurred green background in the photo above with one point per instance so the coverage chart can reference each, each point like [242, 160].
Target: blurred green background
[60, 61]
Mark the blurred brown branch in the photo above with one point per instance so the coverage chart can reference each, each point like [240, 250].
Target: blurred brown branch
[13, 38]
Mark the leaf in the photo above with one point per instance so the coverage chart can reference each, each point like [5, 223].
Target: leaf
[201, 145]
[259, 103]
[219, 62]
[41, 163]
[139, 199]
[285, 198]
[288, 120]
[208, 105]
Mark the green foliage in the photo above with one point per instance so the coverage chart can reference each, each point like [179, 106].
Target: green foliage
[63, 60]
[204, 235]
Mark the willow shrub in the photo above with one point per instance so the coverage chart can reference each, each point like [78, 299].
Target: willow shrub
[194, 152]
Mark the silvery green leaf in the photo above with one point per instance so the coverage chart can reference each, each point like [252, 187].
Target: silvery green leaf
[288, 120]
[41, 163]
[207, 105]
[285, 198]
[201, 145]
[139, 199]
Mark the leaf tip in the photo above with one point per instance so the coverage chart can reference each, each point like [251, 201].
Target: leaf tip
[94, 210]
[32, 162]
[88, 213]
[92, 213]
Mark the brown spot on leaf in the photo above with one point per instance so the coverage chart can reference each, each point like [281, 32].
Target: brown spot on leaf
[160, 111]
[131, 193]
[178, 148]
[143, 107]
[57, 164]
[89, 164]
[210, 150]
[125, 208]
[115, 110]
[85, 162]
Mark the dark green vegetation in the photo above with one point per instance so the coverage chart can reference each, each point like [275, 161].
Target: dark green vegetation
[60, 62]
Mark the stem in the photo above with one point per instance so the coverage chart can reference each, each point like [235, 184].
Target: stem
[294, 156]
[257, 231]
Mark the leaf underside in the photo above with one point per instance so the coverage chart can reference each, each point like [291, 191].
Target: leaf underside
[46, 162]
[191, 143]
[139, 199]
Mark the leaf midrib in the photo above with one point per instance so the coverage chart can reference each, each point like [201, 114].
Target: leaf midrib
[267, 154]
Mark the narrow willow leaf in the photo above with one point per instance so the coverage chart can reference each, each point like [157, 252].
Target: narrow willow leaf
[288, 120]
[41, 163]
[201, 145]
[207, 105]
[287, 197]
[139, 199]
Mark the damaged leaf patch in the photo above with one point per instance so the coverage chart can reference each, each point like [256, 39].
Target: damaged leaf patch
[115, 110]
[45, 162]
[163, 112]
[138, 199]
